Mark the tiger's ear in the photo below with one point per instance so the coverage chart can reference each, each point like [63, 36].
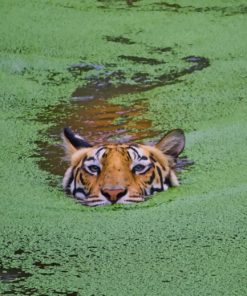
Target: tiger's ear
[172, 143]
[73, 142]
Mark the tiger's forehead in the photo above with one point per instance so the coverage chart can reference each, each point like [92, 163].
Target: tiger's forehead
[134, 151]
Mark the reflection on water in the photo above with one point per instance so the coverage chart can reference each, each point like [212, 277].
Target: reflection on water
[97, 121]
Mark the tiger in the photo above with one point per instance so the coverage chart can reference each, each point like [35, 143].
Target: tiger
[120, 173]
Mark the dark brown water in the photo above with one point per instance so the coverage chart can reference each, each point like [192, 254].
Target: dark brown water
[97, 121]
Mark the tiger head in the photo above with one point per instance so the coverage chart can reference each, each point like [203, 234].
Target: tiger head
[120, 173]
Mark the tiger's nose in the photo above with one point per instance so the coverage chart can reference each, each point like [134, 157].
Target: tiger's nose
[113, 195]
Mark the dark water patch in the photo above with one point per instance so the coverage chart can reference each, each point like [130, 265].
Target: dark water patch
[56, 78]
[19, 252]
[173, 6]
[42, 265]
[194, 59]
[128, 41]
[130, 2]
[141, 60]
[12, 274]
[21, 291]
[117, 4]
[119, 39]
[67, 6]
[141, 77]
[161, 49]
[77, 69]
[55, 292]
[48, 77]
[75, 72]
[104, 87]
[225, 11]
[242, 9]
[200, 64]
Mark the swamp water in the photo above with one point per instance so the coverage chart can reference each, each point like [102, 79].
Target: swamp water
[195, 245]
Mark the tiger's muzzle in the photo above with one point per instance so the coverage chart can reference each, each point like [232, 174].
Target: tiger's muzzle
[114, 194]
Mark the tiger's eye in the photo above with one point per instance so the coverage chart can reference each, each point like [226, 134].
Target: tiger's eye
[94, 168]
[138, 168]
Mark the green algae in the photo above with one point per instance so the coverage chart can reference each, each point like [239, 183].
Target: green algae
[188, 241]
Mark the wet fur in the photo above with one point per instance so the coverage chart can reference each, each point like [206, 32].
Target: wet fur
[120, 173]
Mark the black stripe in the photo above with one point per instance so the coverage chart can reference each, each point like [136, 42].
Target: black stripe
[161, 178]
[150, 181]
[76, 174]
[67, 186]
[82, 181]
[81, 190]
[89, 158]
[82, 160]
[168, 181]
[121, 194]
[152, 158]
[153, 189]
[129, 157]
[100, 149]
[139, 156]
[144, 158]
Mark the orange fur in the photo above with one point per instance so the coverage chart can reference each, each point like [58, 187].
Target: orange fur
[121, 173]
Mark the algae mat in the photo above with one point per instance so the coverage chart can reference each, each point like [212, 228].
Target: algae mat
[187, 241]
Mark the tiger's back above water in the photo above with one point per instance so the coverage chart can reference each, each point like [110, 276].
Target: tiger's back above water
[120, 173]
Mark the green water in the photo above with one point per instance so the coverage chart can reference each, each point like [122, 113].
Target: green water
[188, 241]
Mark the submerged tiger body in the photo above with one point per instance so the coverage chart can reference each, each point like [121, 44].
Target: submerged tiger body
[120, 173]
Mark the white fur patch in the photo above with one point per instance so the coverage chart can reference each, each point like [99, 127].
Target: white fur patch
[66, 177]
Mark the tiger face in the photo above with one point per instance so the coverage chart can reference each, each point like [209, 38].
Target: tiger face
[120, 173]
